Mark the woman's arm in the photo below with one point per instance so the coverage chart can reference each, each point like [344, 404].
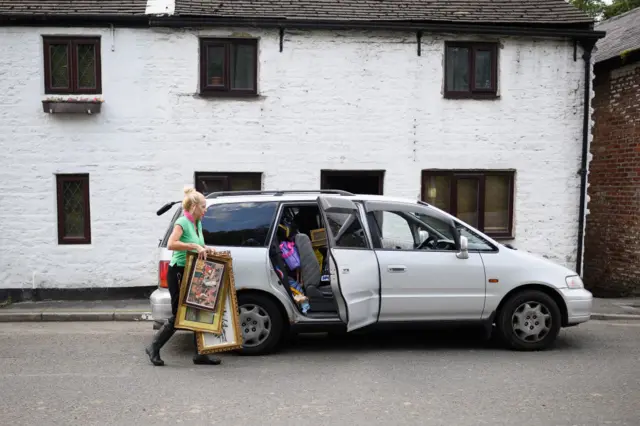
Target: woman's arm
[175, 244]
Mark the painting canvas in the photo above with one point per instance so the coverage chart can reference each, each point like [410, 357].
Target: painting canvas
[195, 319]
[206, 281]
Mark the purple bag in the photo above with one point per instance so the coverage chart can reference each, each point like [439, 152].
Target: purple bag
[290, 254]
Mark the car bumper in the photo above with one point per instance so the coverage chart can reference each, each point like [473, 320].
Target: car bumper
[579, 304]
[160, 305]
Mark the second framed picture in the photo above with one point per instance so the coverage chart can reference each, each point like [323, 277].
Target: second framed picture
[207, 280]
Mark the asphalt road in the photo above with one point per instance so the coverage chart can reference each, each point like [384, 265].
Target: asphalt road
[97, 373]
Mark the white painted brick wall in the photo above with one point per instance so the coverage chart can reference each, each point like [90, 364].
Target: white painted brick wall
[329, 100]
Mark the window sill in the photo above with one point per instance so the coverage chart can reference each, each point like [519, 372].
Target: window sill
[228, 95]
[72, 106]
[473, 96]
[502, 237]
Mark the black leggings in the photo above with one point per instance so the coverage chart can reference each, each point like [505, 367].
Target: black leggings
[174, 277]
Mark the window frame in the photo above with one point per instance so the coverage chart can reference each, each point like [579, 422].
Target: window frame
[225, 177]
[480, 175]
[226, 90]
[72, 44]
[60, 180]
[472, 92]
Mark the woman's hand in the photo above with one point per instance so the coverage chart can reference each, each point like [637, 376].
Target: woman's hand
[211, 250]
[202, 252]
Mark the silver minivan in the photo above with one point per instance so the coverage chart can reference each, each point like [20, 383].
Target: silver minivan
[384, 261]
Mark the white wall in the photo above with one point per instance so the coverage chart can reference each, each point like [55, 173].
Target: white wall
[329, 100]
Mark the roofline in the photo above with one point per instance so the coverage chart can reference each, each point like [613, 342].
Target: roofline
[573, 30]
[579, 30]
[129, 21]
[617, 61]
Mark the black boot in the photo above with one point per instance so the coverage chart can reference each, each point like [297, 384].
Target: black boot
[203, 359]
[161, 337]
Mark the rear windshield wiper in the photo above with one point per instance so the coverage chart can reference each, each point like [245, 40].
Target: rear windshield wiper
[166, 207]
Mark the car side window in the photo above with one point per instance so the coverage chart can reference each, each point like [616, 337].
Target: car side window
[238, 224]
[347, 230]
[475, 241]
[395, 231]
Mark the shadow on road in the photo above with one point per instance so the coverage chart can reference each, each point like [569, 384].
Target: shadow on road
[396, 341]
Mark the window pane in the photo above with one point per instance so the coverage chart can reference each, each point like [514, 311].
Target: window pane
[242, 66]
[208, 184]
[496, 204]
[438, 229]
[467, 201]
[59, 62]
[73, 208]
[238, 224]
[347, 230]
[483, 69]
[395, 231]
[248, 182]
[438, 192]
[215, 65]
[475, 242]
[86, 66]
[457, 68]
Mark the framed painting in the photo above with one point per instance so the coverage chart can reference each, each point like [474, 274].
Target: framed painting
[196, 319]
[205, 284]
[230, 337]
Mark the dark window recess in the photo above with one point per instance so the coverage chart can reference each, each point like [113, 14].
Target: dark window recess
[74, 219]
[355, 181]
[217, 182]
[484, 200]
[229, 67]
[470, 70]
[238, 224]
[72, 65]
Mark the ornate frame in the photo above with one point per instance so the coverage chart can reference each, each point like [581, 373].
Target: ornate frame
[190, 318]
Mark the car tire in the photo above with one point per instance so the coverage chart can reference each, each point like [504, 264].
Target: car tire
[530, 320]
[259, 305]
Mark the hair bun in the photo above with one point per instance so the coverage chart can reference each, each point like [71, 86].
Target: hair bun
[188, 190]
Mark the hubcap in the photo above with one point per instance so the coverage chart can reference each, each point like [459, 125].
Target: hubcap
[255, 323]
[531, 321]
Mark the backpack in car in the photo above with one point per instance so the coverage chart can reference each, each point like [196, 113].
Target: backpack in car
[290, 255]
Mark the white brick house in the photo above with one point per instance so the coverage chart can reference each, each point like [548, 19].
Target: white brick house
[337, 90]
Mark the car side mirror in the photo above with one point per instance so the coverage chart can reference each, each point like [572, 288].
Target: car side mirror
[423, 235]
[464, 248]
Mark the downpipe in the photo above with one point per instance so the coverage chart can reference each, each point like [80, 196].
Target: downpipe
[587, 46]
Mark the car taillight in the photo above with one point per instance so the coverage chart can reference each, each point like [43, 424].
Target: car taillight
[163, 270]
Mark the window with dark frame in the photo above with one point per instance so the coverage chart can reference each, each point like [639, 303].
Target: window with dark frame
[483, 199]
[72, 65]
[207, 182]
[471, 70]
[74, 218]
[229, 67]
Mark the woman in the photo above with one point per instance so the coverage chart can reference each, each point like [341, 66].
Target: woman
[186, 236]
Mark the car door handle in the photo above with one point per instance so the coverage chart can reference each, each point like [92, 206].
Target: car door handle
[396, 268]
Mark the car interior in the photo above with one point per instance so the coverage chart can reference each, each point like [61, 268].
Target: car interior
[302, 224]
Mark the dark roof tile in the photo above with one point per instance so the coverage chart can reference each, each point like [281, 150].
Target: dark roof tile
[72, 7]
[623, 33]
[479, 11]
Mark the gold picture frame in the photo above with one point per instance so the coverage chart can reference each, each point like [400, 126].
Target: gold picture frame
[194, 319]
[230, 338]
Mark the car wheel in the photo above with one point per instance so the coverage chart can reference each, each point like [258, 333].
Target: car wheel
[261, 324]
[529, 321]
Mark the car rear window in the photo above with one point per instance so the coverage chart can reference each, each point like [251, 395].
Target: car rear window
[238, 224]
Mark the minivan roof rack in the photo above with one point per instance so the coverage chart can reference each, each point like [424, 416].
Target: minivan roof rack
[279, 193]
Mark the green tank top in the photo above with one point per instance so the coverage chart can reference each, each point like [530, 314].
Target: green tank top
[189, 235]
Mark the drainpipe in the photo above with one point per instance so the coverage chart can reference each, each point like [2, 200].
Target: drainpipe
[587, 46]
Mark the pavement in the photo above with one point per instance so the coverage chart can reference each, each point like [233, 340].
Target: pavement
[139, 310]
[96, 373]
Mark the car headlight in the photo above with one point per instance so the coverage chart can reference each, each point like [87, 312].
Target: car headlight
[574, 282]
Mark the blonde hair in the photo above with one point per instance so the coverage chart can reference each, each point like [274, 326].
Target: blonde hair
[191, 198]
